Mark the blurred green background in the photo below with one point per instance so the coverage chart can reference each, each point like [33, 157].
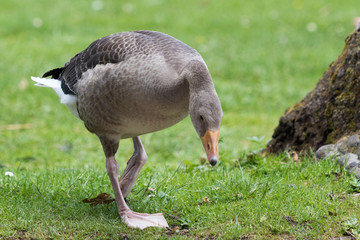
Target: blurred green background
[264, 56]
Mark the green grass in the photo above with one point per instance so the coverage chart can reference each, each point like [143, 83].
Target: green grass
[251, 197]
[264, 56]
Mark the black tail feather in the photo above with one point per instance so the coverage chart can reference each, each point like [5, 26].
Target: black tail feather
[55, 73]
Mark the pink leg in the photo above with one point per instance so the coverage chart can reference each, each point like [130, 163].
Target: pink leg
[132, 219]
[134, 165]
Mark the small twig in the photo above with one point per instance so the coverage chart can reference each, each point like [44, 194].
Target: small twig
[12, 127]
[348, 232]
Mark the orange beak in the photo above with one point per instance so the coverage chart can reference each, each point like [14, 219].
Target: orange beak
[210, 142]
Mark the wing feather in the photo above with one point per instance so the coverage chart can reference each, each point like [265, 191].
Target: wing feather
[115, 48]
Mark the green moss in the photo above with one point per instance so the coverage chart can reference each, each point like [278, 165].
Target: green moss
[290, 109]
[352, 126]
[328, 114]
[345, 96]
[349, 71]
[331, 137]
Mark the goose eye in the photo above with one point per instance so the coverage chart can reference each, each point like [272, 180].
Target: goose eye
[201, 118]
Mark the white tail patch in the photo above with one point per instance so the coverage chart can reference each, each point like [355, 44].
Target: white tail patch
[68, 100]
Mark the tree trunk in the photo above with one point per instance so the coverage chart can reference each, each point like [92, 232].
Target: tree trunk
[330, 111]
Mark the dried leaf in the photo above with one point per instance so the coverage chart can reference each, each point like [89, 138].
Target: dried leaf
[23, 84]
[173, 229]
[206, 200]
[294, 156]
[102, 198]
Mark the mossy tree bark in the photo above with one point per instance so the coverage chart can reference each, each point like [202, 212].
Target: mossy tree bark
[330, 111]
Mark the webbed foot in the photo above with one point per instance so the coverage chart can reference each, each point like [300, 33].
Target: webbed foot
[143, 220]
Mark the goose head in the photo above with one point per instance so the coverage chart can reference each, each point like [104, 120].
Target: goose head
[206, 114]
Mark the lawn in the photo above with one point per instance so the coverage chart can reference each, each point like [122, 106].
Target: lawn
[264, 56]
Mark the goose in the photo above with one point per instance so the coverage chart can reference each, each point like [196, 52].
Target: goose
[131, 83]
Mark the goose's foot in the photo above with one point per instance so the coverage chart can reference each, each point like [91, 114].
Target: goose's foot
[132, 219]
[143, 220]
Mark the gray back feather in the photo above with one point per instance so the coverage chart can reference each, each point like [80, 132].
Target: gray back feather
[118, 47]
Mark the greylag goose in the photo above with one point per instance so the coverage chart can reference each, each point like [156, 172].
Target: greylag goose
[131, 83]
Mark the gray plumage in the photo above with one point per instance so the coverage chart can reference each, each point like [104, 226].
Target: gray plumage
[131, 83]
